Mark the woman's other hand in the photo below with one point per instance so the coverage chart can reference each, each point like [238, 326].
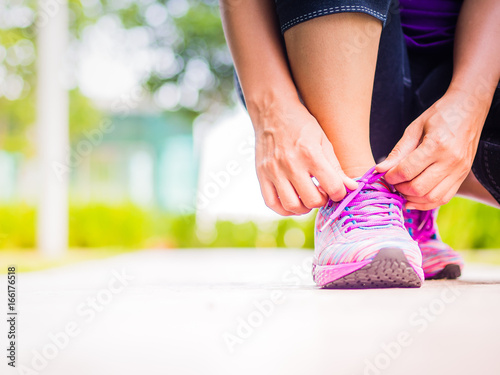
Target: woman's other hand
[437, 150]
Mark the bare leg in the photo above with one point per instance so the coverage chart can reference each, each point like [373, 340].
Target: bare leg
[333, 61]
[471, 188]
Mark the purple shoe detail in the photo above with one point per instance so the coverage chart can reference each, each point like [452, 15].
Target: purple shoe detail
[324, 275]
[421, 224]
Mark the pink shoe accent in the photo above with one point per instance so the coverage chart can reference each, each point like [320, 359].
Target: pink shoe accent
[324, 275]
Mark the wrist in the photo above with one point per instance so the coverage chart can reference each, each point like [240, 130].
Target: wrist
[478, 91]
[265, 106]
[464, 107]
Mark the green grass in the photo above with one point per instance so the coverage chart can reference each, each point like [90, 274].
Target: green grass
[463, 224]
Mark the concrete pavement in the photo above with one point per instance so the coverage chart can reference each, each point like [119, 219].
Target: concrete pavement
[247, 312]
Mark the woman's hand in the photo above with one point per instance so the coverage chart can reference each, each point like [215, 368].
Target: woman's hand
[291, 148]
[436, 152]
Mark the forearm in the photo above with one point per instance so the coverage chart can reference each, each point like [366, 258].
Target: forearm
[477, 49]
[253, 37]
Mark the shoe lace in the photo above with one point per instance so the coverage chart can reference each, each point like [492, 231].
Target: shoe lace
[420, 224]
[385, 207]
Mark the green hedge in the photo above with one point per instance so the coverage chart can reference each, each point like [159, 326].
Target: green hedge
[463, 224]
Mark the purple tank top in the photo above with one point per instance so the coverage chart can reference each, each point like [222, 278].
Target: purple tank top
[429, 24]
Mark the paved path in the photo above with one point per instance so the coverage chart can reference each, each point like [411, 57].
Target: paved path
[248, 312]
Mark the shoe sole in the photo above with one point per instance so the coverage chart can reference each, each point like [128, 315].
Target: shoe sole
[388, 269]
[450, 272]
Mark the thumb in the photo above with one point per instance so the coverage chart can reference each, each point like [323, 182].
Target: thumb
[407, 143]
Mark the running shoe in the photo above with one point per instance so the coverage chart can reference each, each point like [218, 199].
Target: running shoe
[361, 241]
[439, 261]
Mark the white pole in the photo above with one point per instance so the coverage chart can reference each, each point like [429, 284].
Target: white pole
[53, 132]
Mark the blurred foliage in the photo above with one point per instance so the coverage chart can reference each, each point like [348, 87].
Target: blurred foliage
[189, 37]
[82, 115]
[17, 96]
[17, 226]
[463, 224]
[202, 40]
[17, 77]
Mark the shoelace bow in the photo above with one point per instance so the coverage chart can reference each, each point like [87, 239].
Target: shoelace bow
[386, 206]
[425, 221]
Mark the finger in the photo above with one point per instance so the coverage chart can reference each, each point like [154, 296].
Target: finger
[271, 198]
[413, 164]
[332, 184]
[438, 196]
[407, 143]
[289, 198]
[420, 206]
[424, 182]
[308, 193]
[410, 167]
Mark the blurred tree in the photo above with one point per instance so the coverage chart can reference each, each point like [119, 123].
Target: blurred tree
[191, 64]
[18, 81]
[203, 61]
[17, 55]
[192, 55]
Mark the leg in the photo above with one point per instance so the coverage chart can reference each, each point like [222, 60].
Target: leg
[333, 61]
[486, 165]
[471, 188]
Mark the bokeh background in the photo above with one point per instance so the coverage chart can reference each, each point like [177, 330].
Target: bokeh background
[174, 167]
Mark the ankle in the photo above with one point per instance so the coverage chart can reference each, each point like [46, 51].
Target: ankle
[357, 171]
